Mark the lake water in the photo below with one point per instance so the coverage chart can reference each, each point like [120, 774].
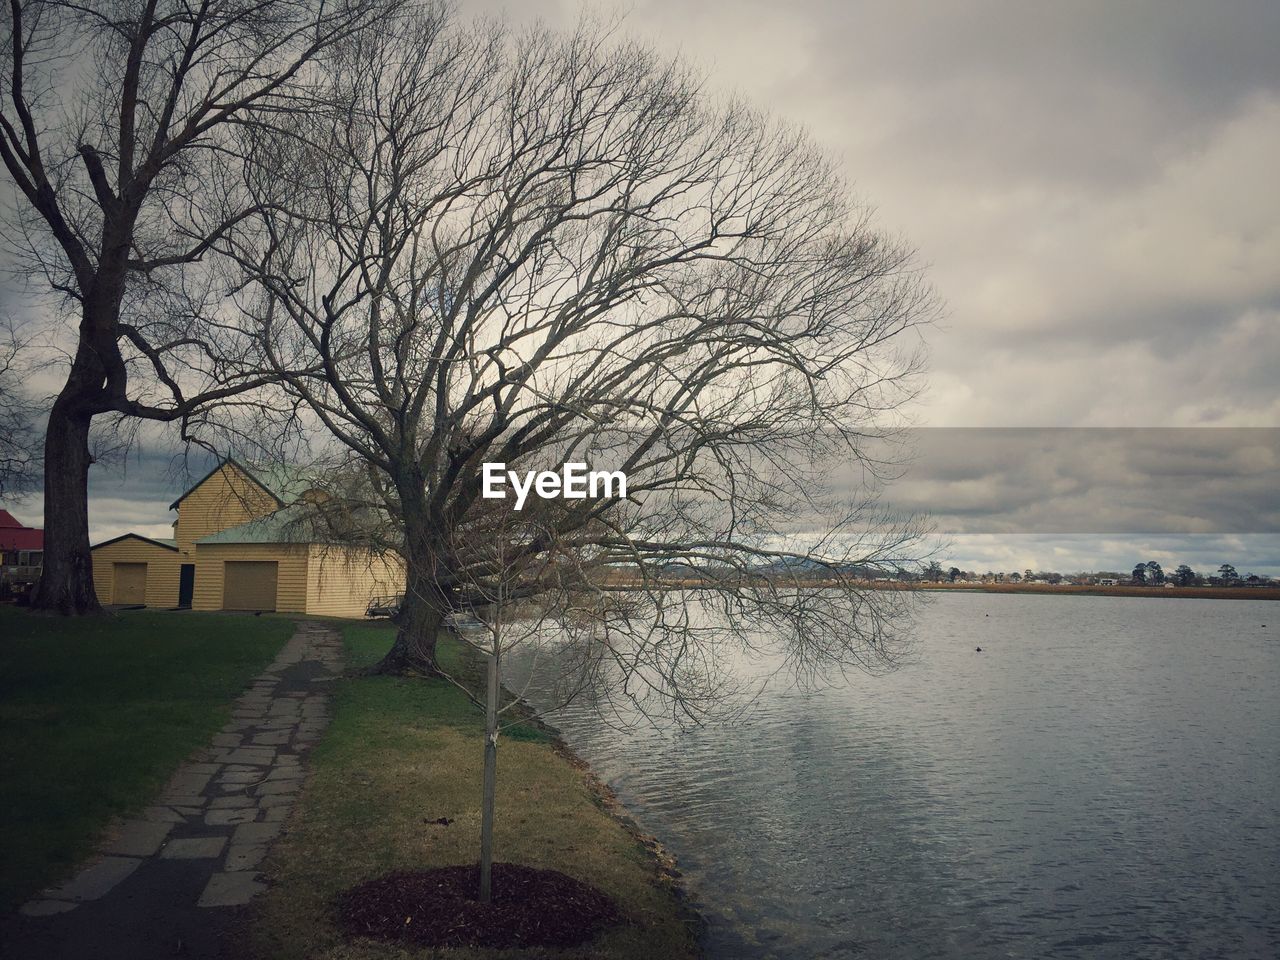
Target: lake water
[1102, 780]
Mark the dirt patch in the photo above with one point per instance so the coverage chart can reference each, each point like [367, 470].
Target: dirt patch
[530, 908]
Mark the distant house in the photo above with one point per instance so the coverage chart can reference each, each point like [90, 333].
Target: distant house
[245, 540]
[21, 554]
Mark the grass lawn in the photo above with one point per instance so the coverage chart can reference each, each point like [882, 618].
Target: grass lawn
[402, 752]
[95, 714]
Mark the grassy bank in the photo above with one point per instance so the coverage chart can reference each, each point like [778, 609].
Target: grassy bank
[401, 754]
[96, 712]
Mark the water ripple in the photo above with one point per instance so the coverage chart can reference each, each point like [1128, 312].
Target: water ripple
[1101, 782]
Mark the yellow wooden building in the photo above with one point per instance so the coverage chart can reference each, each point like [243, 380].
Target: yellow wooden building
[245, 540]
[135, 569]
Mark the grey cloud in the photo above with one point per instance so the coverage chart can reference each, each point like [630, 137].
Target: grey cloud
[1091, 184]
[1097, 481]
[1064, 499]
[135, 494]
[1047, 78]
[1088, 181]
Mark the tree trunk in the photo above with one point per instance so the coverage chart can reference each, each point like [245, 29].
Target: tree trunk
[66, 583]
[415, 648]
[425, 604]
[490, 779]
[421, 615]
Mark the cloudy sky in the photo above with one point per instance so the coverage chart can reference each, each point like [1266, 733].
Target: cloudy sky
[1092, 186]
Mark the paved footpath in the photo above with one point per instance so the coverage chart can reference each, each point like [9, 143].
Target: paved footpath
[173, 882]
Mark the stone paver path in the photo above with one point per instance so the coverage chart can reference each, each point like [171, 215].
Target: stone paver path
[163, 880]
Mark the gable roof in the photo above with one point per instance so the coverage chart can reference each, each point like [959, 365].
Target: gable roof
[229, 461]
[167, 544]
[7, 519]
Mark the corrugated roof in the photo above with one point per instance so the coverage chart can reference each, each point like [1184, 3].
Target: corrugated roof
[326, 522]
[286, 482]
[295, 524]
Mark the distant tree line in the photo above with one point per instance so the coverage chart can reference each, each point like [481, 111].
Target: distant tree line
[1152, 574]
[1149, 573]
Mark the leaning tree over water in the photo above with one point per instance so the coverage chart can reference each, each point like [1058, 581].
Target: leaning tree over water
[531, 247]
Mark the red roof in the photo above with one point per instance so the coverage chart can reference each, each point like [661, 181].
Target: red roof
[14, 536]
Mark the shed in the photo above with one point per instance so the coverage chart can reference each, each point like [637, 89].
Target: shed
[247, 539]
[282, 562]
[133, 569]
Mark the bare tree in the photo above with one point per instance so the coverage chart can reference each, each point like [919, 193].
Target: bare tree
[541, 248]
[19, 449]
[546, 607]
[115, 129]
[495, 621]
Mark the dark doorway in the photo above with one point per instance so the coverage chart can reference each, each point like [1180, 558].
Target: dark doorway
[186, 584]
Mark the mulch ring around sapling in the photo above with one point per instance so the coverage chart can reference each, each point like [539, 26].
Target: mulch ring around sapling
[530, 908]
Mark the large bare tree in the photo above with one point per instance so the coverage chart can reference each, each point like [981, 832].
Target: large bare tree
[534, 248]
[116, 121]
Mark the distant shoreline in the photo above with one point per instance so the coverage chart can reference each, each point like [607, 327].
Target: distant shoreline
[1119, 590]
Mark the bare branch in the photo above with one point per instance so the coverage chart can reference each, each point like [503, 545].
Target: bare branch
[541, 248]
